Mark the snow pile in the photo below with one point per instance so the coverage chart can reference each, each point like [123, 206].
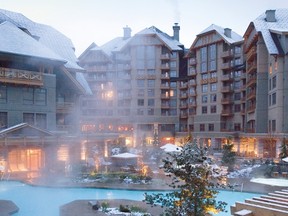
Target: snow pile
[242, 173]
[115, 211]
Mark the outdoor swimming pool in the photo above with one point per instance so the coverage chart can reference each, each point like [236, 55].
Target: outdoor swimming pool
[45, 201]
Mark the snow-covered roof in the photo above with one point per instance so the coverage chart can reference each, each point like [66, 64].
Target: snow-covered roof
[114, 45]
[83, 82]
[48, 37]
[15, 41]
[221, 31]
[125, 155]
[281, 24]
[24, 125]
[169, 41]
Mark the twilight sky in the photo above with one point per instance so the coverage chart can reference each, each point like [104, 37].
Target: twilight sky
[99, 21]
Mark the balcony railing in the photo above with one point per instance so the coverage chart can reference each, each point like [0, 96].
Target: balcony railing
[17, 76]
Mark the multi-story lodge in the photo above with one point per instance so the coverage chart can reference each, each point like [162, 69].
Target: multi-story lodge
[135, 86]
[216, 80]
[40, 85]
[240, 86]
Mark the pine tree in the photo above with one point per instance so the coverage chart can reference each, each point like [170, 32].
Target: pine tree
[229, 156]
[195, 184]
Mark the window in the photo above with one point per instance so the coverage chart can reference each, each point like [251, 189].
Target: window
[173, 73]
[204, 98]
[213, 98]
[28, 96]
[173, 84]
[211, 127]
[273, 125]
[213, 109]
[140, 72]
[151, 83]
[204, 109]
[237, 108]
[237, 127]
[202, 127]
[274, 98]
[151, 72]
[40, 96]
[204, 88]
[213, 87]
[237, 96]
[204, 76]
[150, 92]
[213, 75]
[212, 57]
[140, 102]
[41, 120]
[140, 83]
[203, 58]
[274, 82]
[28, 118]
[3, 94]
[140, 111]
[3, 120]
[151, 102]
[150, 112]
[173, 64]
[140, 93]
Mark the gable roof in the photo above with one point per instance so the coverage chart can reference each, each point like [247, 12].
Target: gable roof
[268, 28]
[23, 127]
[220, 30]
[165, 38]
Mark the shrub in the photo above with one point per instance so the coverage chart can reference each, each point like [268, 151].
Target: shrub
[124, 209]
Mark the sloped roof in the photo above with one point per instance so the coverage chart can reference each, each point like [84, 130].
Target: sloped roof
[49, 38]
[22, 126]
[165, 38]
[220, 30]
[47, 35]
[114, 45]
[281, 25]
[15, 41]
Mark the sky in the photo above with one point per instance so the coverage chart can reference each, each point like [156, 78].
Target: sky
[99, 21]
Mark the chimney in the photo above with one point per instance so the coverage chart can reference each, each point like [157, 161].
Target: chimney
[227, 32]
[176, 30]
[270, 16]
[127, 32]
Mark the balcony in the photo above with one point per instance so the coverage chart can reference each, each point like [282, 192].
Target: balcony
[251, 81]
[227, 65]
[64, 107]
[165, 76]
[183, 105]
[192, 104]
[165, 56]
[165, 96]
[16, 76]
[183, 115]
[165, 106]
[251, 94]
[251, 54]
[192, 83]
[183, 95]
[227, 112]
[213, 79]
[227, 77]
[165, 86]
[227, 100]
[251, 67]
[192, 61]
[227, 54]
[251, 109]
[165, 66]
[227, 89]
[183, 85]
[192, 71]
[204, 81]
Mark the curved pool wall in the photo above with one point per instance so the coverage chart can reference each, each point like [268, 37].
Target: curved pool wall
[45, 201]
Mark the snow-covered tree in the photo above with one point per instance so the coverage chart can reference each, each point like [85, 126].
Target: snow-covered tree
[195, 183]
[229, 156]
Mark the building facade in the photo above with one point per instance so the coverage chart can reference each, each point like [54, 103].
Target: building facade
[135, 86]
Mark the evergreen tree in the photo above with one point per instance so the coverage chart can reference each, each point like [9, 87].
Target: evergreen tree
[195, 184]
[284, 149]
[229, 156]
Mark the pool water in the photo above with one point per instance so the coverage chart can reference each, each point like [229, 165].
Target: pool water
[45, 201]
